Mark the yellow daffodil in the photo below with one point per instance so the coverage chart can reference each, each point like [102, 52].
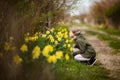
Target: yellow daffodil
[67, 41]
[36, 33]
[67, 57]
[59, 54]
[50, 36]
[52, 40]
[64, 45]
[47, 49]
[26, 39]
[45, 52]
[36, 52]
[24, 48]
[56, 42]
[65, 36]
[71, 49]
[50, 48]
[52, 29]
[43, 35]
[34, 38]
[59, 39]
[47, 32]
[59, 33]
[69, 45]
[71, 40]
[52, 59]
[17, 59]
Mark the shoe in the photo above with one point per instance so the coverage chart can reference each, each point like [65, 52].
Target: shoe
[92, 61]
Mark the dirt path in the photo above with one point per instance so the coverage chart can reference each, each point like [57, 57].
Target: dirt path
[105, 54]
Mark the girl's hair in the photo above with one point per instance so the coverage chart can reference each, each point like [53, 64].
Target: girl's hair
[76, 32]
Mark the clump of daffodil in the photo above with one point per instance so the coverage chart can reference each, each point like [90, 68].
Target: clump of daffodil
[67, 57]
[67, 41]
[52, 29]
[26, 39]
[17, 59]
[59, 54]
[47, 32]
[68, 45]
[71, 40]
[37, 33]
[24, 48]
[47, 49]
[36, 52]
[31, 38]
[51, 38]
[59, 39]
[56, 42]
[34, 38]
[71, 49]
[65, 35]
[64, 45]
[43, 35]
[52, 59]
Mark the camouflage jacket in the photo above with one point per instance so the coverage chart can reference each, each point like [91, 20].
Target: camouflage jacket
[85, 49]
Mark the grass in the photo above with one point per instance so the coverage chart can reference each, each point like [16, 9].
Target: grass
[80, 25]
[73, 70]
[111, 31]
[113, 42]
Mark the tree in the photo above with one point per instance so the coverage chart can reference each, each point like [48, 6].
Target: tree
[113, 13]
[105, 11]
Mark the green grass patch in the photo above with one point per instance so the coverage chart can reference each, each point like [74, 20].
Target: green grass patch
[81, 25]
[72, 70]
[113, 42]
[91, 32]
[111, 31]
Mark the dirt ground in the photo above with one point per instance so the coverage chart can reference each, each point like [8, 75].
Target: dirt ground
[105, 54]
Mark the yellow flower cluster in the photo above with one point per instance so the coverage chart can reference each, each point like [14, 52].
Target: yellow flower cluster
[59, 54]
[51, 38]
[52, 30]
[56, 42]
[51, 43]
[17, 59]
[62, 34]
[43, 35]
[67, 57]
[36, 52]
[24, 48]
[31, 38]
[47, 49]
[52, 59]
[47, 32]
